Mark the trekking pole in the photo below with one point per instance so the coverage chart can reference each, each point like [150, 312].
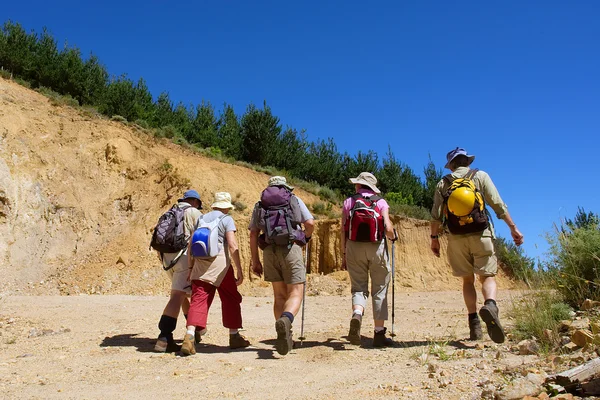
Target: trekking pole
[302, 338]
[393, 279]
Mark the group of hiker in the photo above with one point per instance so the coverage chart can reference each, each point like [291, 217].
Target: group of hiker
[200, 254]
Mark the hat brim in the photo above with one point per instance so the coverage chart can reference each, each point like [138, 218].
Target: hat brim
[356, 181]
[284, 185]
[470, 158]
[222, 204]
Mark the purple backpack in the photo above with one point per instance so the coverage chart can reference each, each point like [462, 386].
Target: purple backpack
[281, 224]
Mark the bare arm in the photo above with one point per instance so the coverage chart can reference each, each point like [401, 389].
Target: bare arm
[389, 227]
[190, 259]
[343, 244]
[309, 227]
[514, 232]
[256, 264]
[234, 254]
[435, 242]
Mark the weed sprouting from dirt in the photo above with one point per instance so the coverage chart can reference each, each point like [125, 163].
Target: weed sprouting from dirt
[538, 315]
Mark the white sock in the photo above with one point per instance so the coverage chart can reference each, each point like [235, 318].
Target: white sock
[379, 329]
[191, 330]
[357, 312]
[233, 331]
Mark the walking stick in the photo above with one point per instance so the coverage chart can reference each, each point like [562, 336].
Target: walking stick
[393, 280]
[302, 338]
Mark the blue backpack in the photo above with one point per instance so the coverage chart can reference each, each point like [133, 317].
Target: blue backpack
[205, 240]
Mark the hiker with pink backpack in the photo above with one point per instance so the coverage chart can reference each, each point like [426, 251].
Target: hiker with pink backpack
[366, 224]
[280, 216]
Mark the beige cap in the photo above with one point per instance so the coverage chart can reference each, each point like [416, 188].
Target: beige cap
[279, 181]
[366, 178]
[222, 200]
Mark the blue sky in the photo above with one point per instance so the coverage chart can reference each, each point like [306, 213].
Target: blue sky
[516, 83]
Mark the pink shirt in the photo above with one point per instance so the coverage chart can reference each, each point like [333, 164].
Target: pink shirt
[349, 203]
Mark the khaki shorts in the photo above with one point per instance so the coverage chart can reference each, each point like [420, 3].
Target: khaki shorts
[472, 254]
[283, 264]
[179, 273]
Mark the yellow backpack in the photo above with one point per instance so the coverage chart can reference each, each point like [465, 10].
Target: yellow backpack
[464, 207]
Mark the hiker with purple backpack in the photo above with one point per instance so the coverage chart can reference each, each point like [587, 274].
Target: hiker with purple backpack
[366, 224]
[280, 215]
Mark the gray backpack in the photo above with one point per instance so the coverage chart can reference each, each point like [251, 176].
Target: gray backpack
[169, 233]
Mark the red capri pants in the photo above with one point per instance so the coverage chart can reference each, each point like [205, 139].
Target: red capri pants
[203, 294]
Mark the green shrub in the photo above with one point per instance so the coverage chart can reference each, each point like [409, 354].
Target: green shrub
[23, 82]
[536, 313]
[168, 131]
[410, 211]
[142, 123]
[575, 262]
[180, 140]
[118, 118]
[399, 198]
[239, 206]
[5, 74]
[514, 261]
[327, 194]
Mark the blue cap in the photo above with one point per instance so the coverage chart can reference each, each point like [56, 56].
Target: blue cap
[190, 194]
[457, 152]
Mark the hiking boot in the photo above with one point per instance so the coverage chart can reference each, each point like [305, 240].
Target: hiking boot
[475, 329]
[237, 341]
[489, 315]
[164, 346]
[379, 339]
[284, 342]
[198, 335]
[354, 334]
[188, 347]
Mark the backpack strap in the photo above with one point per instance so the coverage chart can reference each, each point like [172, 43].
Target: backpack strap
[448, 179]
[175, 260]
[375, 198]
[471, 174]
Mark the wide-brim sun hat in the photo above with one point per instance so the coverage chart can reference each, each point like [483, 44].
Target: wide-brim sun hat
[190, 194]
[367, 179]
[458, 152]
[222, 200]
[279, 181]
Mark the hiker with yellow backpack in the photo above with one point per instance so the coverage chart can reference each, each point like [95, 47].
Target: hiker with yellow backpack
[459, 203]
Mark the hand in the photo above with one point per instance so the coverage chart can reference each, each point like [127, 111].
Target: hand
[516, 235]
[257, 268]
[240, 277]
[435, 247]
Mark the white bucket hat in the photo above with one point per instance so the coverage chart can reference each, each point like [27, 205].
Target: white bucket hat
[222, 200]
[279, 181]
[367, 179]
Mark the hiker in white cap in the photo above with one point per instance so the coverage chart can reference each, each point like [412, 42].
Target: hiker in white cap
[366, 223]
[212, 270]
[459, 204]
[280, 215]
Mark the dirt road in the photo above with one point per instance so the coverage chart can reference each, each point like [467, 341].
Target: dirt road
[99, 347]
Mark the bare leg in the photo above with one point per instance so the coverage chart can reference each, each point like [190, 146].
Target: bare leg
[280, 297]
[175, 303]
[488, 287]
[469, 293]
[294, 298]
